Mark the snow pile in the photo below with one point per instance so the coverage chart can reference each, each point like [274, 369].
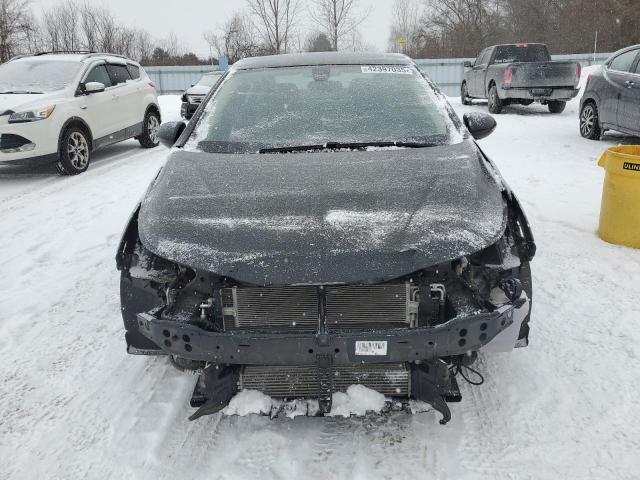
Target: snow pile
[247, 402]
[358, 401]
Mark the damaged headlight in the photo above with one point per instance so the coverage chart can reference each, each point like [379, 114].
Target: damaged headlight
[32, 115]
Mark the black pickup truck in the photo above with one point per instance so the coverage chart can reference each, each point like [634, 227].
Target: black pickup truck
[520, 73]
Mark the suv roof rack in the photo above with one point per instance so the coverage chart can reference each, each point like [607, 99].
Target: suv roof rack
[54, 52]
[98, 54]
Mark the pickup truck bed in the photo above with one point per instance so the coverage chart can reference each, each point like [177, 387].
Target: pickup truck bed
[520, 73]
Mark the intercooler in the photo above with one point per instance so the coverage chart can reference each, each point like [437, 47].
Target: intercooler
[297, 308]
[300, 382]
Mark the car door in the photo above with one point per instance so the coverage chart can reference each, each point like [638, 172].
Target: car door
[98, 109]
[478, 72]
[125, 95]
[617, 74]
[629, 105]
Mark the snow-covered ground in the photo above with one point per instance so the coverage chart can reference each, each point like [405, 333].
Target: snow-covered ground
[74, 405]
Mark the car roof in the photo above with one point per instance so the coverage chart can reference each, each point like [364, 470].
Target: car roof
[77, 57]
[322, 58]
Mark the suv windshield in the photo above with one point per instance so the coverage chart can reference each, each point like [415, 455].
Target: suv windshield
[316, 105]
[37, 76]
[209, 80]
[521, 53]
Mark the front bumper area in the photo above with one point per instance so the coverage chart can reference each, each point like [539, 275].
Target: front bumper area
[41, 137]
[188, 109]
[538, 94]
[455, 337]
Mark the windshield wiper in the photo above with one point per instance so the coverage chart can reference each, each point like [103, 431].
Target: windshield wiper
[20, 92]
[348, 146]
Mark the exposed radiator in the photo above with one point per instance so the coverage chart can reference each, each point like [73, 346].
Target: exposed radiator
[298, 382]
[286, 308]
[296, 308]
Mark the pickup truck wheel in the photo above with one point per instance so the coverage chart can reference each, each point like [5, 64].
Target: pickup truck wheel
[495, 104]
[589, 122]
[75, 153]
[556, 106]
[464, 94]
[150, 128]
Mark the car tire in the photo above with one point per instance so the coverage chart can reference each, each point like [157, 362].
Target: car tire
[464, 94]
[495, 104]
[557, 106]
[150, 128]
[590, 122]
[74, 154]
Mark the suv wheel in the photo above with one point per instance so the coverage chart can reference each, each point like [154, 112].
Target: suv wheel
[464, 94]
[150, 128]
[75, 153]
[495, 104]
[589, 122]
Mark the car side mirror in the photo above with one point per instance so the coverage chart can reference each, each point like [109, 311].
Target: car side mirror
[468, 64]
[93, 87]
[170, 132]
[480, 125]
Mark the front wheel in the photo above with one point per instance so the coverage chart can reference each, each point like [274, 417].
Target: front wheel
[495, 104]
[74, 154]
[464, 94]
[589, 122]
[557, 106]
[150, 129]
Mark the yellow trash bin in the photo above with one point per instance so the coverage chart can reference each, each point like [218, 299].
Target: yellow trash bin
[620, 211]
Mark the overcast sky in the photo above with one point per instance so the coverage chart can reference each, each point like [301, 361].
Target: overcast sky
[190, 18]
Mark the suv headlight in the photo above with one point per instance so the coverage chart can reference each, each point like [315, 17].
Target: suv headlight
[32, 115]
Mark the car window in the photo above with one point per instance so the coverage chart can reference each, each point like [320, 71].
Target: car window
[637, 68]
[134, 71]
[522, 52]
[99, 74]
[480, 58]
[269, 108]
[118, 73]
[624, 61]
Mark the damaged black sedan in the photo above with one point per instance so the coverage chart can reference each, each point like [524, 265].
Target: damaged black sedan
[326, 220]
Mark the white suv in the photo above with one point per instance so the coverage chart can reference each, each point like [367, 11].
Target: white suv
[59, 107]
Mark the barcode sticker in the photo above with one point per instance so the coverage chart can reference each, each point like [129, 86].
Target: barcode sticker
[394, 69]
[371, 348]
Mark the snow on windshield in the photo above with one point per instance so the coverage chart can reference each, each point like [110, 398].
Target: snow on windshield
[37, 76]
[314, 105]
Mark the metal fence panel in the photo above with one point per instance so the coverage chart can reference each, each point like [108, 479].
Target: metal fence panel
[446, 72]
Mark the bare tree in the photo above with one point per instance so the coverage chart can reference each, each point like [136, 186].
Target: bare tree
[338, 19]
[235, 40]
[61, 27]
[275, 20]
[15, 28]
[405, 26]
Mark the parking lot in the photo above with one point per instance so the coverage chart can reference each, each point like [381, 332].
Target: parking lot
[74, 405]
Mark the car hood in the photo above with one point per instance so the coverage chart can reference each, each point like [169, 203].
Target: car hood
[322, 217]
[198, 90]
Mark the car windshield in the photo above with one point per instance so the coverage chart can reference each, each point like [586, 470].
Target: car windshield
[209, 80]
[315, 105]
[521, 53]
[37, 76]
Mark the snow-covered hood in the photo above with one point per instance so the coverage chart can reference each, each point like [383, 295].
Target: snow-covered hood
[338, 217]
[19, 102]
[198, 90]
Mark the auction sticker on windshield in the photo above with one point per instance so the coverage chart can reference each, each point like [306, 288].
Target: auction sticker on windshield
[370, 348]
[387, 69]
